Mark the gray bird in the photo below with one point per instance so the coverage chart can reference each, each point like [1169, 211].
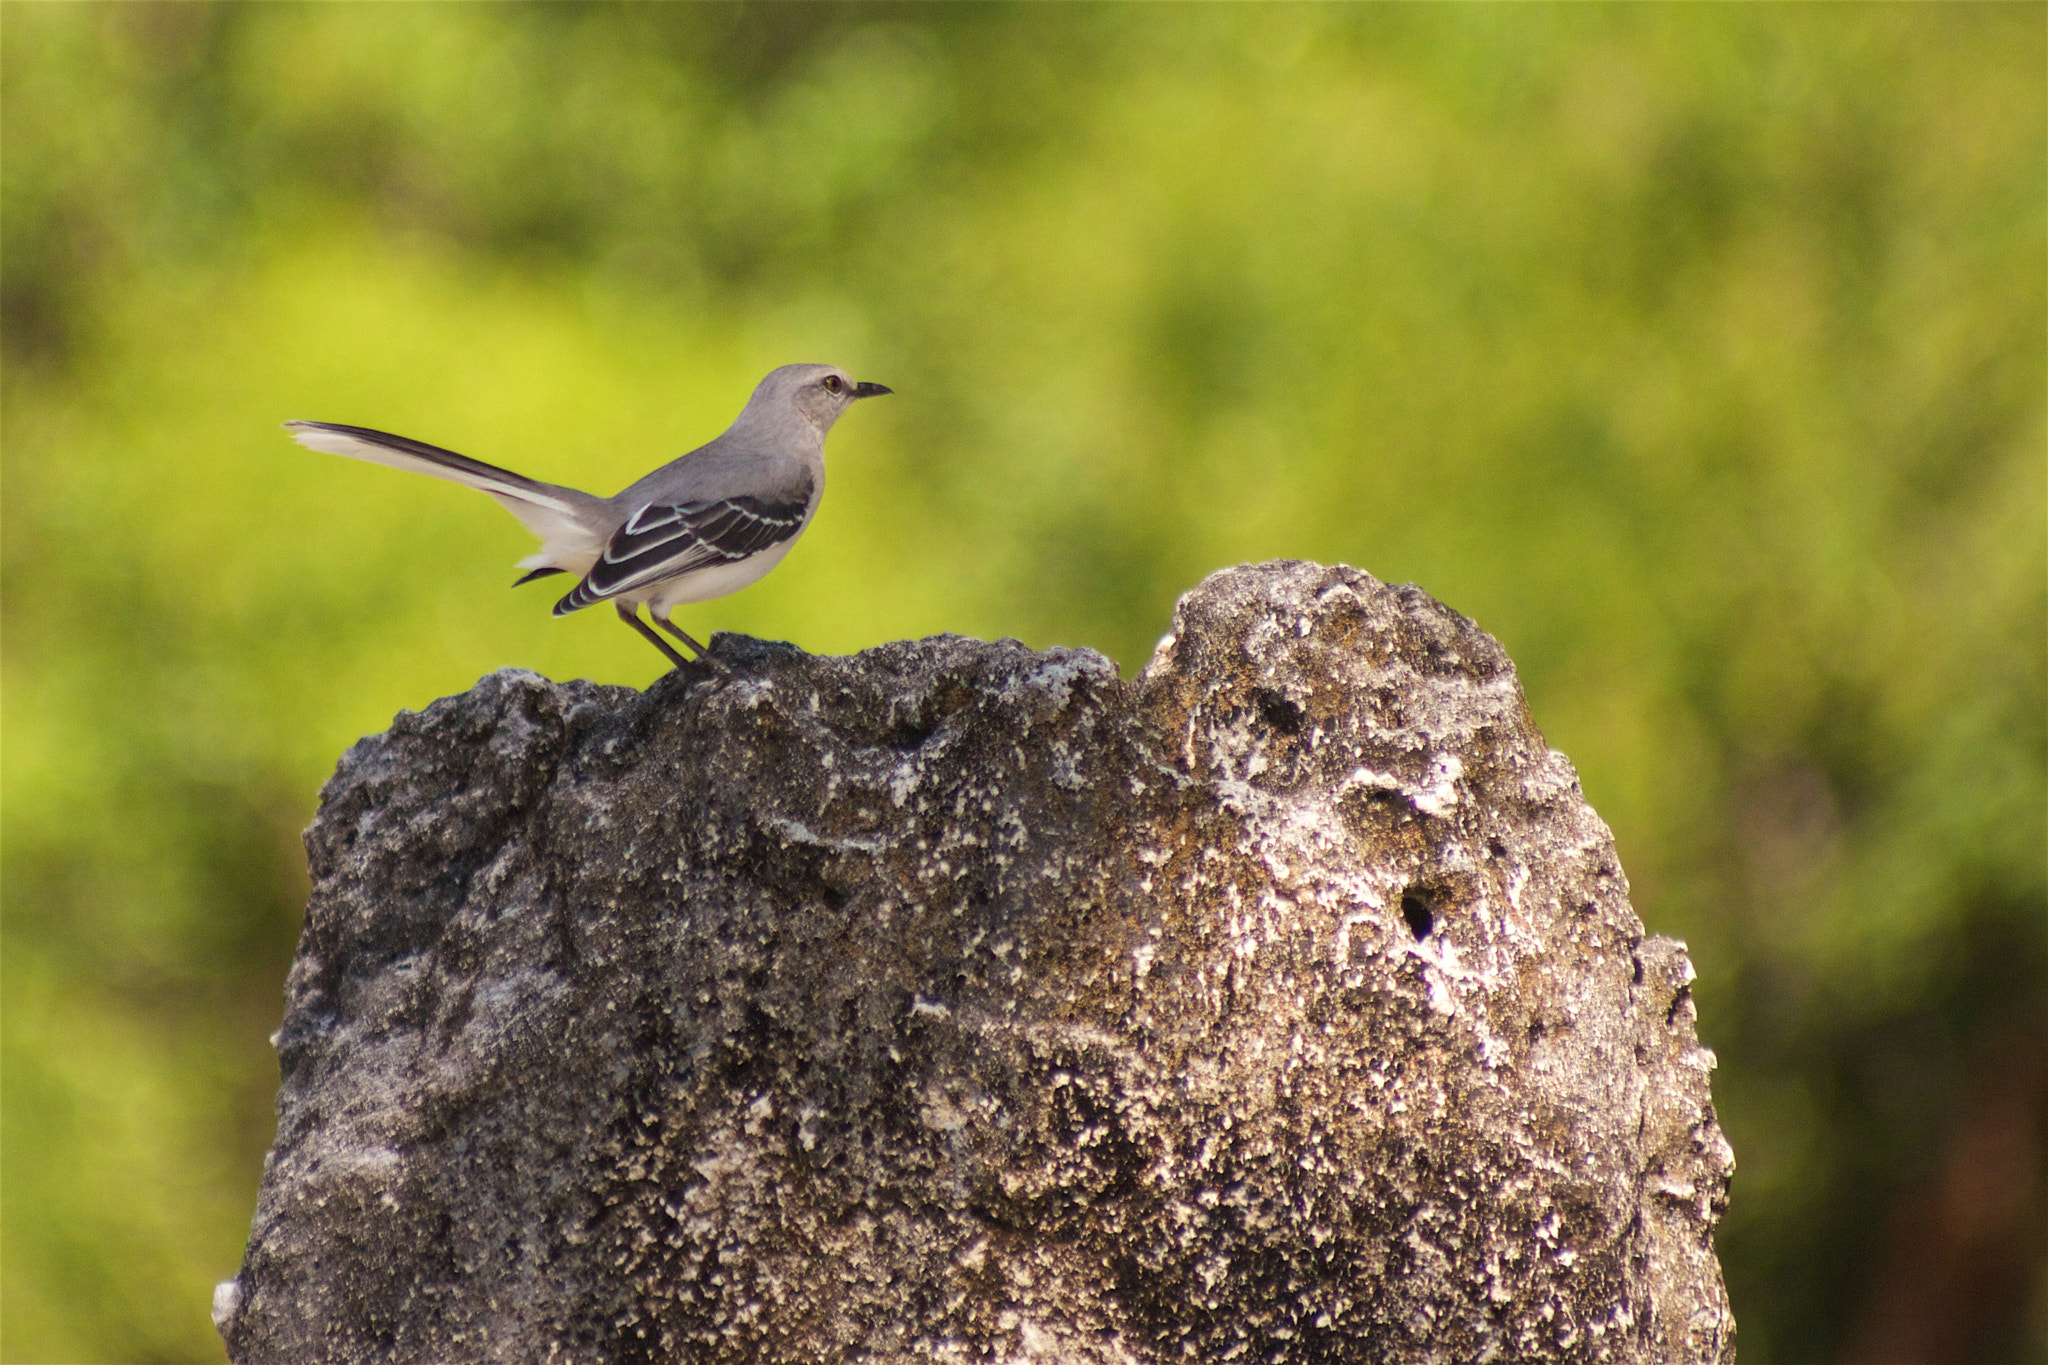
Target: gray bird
[699, 527]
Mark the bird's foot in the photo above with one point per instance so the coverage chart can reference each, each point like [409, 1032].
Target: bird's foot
[703, 654]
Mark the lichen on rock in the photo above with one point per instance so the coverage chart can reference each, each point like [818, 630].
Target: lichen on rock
[957, 1001]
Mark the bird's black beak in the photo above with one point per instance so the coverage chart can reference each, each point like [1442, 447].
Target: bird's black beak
[871, 390]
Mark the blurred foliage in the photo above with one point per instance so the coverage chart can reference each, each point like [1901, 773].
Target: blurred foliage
[1696, 352]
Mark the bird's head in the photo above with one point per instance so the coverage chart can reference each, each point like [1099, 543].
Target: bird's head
[819, 393]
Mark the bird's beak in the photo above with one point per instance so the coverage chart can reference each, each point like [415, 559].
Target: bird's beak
[870, 390]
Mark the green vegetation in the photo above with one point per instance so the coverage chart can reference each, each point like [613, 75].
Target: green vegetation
[1695, 352]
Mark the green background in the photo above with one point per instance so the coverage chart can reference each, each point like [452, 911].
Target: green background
[1695, 352]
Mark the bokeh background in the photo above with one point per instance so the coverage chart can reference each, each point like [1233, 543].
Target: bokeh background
[1695, 352]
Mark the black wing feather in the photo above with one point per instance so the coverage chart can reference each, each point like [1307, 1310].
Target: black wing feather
[544, 572]
[667, 540]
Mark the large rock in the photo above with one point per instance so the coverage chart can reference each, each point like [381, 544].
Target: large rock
[955, 1001]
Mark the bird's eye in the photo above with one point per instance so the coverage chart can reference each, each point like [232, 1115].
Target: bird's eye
[832, 384]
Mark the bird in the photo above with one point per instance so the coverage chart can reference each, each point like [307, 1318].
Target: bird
[700, 527]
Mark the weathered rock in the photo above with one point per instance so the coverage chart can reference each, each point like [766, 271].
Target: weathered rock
[955, 1001]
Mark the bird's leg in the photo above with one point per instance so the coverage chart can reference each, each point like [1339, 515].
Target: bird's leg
[631, 616]
[683, 635]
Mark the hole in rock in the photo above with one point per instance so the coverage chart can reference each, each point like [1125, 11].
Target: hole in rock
[1279, 713]
[1415, 909]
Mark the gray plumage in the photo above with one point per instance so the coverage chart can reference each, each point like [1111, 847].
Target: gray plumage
[697, 528]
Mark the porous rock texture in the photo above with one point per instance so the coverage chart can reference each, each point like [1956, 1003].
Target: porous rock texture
[954, 1001]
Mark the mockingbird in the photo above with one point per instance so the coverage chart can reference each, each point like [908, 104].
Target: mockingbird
[699, 527]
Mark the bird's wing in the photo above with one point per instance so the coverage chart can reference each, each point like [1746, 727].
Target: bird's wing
[560, 516]
[667, 540]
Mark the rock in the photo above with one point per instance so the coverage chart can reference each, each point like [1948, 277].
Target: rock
[954, 1001]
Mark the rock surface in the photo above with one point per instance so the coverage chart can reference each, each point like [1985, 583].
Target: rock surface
[958, 1002]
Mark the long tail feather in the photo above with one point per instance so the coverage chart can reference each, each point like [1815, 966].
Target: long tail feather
[402, 452]
[571, 523]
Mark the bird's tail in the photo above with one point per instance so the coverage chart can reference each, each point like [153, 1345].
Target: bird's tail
[569, 522]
